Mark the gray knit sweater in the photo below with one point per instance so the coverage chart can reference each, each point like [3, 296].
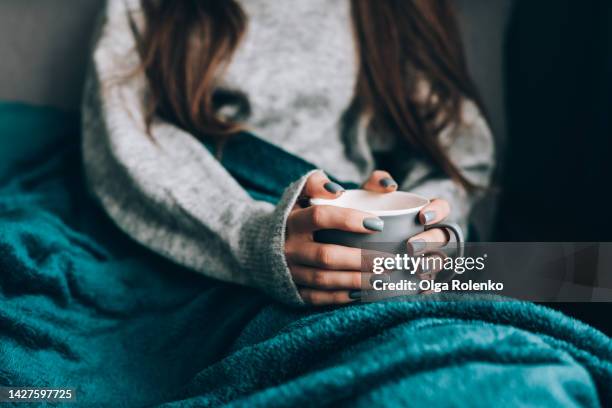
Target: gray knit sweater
[297, 67]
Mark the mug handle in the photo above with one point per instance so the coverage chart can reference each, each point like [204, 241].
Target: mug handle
[457, 232]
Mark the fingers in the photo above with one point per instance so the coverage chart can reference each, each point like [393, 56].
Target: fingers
[322, 297]
[380, 181]
[327, 279]
[324, 256]
[319, 185]
[319, 217]
[436, 211]
[428, 240]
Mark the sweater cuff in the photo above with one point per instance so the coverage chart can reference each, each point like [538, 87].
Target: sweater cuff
[268, 266]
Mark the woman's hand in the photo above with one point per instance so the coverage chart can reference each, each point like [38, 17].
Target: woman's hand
[326, 273]
[331, 274]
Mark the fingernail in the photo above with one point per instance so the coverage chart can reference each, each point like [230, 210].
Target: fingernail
[355, 294]
[429, 216]
[417, 245]
[333, 187]
[382, 277]
[374, 224]
[387, 182]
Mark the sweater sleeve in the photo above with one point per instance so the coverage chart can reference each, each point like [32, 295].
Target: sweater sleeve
[164, 188]
[469, 145]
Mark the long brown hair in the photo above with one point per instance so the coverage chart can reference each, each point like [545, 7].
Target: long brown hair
[187, 44]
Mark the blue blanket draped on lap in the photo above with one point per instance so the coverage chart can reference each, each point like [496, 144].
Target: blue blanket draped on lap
[82, 306]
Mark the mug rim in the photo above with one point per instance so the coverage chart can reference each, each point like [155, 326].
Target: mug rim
[380, 213]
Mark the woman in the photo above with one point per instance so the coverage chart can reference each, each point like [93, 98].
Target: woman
[349, 85]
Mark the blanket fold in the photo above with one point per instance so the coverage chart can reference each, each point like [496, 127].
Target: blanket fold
[83, 306]
[263, 169]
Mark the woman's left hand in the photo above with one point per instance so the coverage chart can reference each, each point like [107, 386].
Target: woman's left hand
[436, 211]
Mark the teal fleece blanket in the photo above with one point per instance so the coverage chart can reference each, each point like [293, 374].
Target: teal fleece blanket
[82, 306]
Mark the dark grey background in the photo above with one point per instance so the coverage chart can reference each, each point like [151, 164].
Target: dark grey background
[43, 49]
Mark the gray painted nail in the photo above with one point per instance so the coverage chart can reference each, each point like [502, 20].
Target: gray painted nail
[429, 216]
[333, 187]
[387, 182]
[374, 224]
[355, 294]
[417, 245]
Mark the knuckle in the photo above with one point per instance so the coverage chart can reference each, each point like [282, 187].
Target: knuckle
[317, 215]
[324, 256]
[339, 297]
[316, 297]
[356, 280]
[320, 279]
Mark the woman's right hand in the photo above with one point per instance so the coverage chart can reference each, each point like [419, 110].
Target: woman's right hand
[326, 273]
